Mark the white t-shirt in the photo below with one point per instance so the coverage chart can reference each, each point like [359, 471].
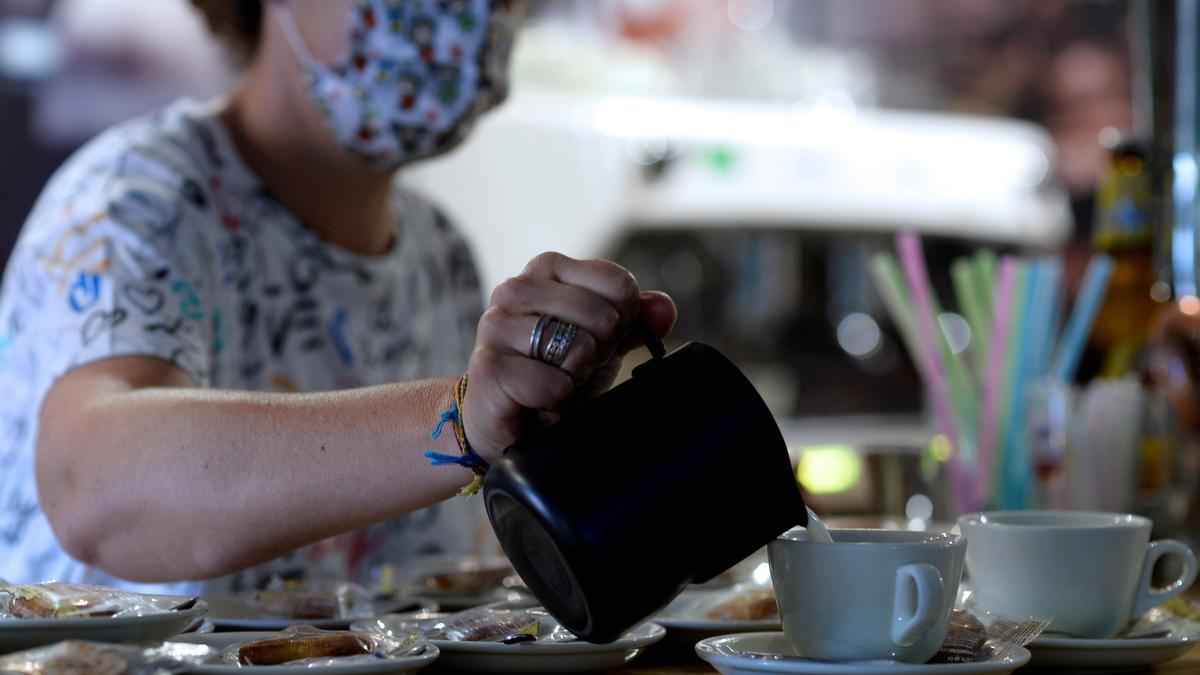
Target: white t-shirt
[156, 240]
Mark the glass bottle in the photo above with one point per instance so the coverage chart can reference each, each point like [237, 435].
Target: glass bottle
[1124, 229]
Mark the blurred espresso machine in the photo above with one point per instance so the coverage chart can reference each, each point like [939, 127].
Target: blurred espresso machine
[760, 218]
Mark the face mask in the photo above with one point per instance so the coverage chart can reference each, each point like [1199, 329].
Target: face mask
[414, 77]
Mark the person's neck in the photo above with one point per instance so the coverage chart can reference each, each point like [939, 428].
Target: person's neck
[331, 192]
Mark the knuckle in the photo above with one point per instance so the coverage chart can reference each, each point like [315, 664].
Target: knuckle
[499, 293]
[549, 257]
[609, 321]
[491, 327]
[627, 287]
[547, 260]
[510, 293]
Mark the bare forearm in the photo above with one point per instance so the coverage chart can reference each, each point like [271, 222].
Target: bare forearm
[176, 483]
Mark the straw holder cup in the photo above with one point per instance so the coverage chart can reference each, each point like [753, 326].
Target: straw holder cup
[669, 479]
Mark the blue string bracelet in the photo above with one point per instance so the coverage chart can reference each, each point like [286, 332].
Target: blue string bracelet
[468, 457]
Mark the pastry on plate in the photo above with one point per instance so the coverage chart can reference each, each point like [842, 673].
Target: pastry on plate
[750, 605]
[274, 651]
[60, 600]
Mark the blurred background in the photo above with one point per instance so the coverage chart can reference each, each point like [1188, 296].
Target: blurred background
[748, 156]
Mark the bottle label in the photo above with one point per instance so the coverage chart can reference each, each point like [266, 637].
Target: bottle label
[1123, 204]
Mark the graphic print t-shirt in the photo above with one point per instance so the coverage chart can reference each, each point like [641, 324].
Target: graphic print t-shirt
[156, 240]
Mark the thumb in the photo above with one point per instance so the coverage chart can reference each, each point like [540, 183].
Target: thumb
[659, 313]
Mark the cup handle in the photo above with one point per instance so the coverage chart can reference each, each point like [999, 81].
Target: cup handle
[1147, 597]
[918, 602]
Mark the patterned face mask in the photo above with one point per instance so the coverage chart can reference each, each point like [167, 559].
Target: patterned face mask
[414, 77]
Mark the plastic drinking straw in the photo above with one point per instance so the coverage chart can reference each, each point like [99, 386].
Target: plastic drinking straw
[889, 280]
[984, 265]
[1016, 321]
[992, 381]
[963, 395]
[1048, 303]
[912, 259]
[963, 392]
[1041, 290]
[968, 301]
[1017, 475]
[1083, 316]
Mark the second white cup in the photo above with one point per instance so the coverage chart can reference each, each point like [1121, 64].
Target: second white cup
[1088, 572]
[870, 594]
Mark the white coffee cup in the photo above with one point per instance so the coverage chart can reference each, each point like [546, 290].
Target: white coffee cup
[1087, 572]
[870, 594]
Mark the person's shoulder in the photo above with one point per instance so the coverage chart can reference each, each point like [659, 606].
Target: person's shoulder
[167, 145]
[143, 175]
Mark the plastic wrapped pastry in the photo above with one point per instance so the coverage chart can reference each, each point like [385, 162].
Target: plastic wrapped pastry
[313, 600]
[308, 646]
[94, 658]
[59, 600]
[492, 624]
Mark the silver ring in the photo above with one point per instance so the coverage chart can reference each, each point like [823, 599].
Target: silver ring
[535, 340]
[564, 335]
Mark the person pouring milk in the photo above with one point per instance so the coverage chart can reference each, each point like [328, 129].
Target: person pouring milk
[226, 332]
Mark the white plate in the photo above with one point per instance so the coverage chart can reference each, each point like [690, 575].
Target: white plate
[547, 657]
[456, 601]
[677, 618]
[1062, 653]
[404, 664]
[19, 634]
[540, 657]
[771, 653]
[230, 613]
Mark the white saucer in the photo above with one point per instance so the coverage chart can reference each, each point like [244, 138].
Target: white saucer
[19, 634]
[770, 653]
[547, 657]
[1116, 653]
[219, 641]
[532, 657]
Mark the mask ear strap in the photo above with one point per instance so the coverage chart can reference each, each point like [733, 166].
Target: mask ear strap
[291, 32]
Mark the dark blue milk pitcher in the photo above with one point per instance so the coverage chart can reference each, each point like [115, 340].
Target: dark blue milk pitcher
[668, 479]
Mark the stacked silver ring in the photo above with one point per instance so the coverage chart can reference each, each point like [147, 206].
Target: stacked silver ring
[564, 335]
[535, 340]
[561, 337]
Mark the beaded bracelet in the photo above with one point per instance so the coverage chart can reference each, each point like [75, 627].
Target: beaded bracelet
[469, 458]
